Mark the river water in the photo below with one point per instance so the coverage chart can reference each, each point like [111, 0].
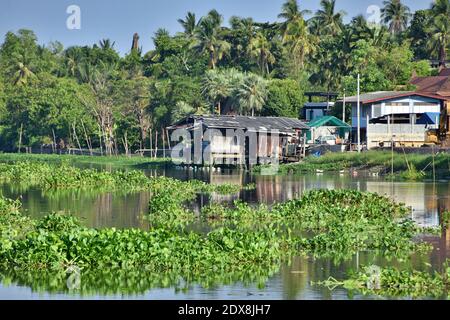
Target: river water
[293, 281]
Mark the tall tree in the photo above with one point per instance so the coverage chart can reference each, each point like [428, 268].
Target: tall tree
[252, 94]
[215, 89]
[396, 15]
[329, 21]
[189, 24]
[299, 43]
[209, 38]
[439, 38]
[439, 29]
[260, 50]
[291, 14]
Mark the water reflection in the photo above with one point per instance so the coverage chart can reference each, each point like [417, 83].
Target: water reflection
[293, 281]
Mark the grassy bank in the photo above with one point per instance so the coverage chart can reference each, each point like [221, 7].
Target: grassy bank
[405, 165]
[49, 175]
[99, 160]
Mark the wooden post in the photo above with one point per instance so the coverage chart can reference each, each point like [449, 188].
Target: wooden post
[54, 141]
[101, 142]
[20, 136]
[168, 139]
[88, 140]
[304, 146]
[156, 143]
[163, 142]
[76, 137]
[434, 167]
[151, 140]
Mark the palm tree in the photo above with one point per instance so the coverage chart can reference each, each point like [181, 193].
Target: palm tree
[396, 15]
[291, 13]
[215, 88]
[208, 38]
[300, 42]
[252, 94]
[22, 75]
[260, 50]
[106, 44]
[359, 26]
[189, 24]
[330, 22]
[439, 38]
[441, 7]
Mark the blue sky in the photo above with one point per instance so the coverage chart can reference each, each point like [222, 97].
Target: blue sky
[120, 19]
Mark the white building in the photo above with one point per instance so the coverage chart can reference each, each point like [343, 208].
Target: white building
[407, 118]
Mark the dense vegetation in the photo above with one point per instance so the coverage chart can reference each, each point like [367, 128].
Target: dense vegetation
[248, 244]
[390, 282]
[65, 176]
[90, 97]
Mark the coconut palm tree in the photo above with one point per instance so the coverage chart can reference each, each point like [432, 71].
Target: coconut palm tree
[396, 15]
[299, 42]
[252, 94]
[439, 38]
[106, 44]
[22, 75]
[189, 24]
[291, 13]
[260, 50]
[329, 21]
[208, 38]
[441, 7]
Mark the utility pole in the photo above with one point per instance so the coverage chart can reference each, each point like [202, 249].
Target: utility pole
[343, 108]
[358, 107]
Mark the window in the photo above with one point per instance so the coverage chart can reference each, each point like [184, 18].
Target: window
[397, 104]
[425, 104]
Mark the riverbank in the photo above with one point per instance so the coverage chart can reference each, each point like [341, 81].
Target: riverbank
[121, 160]
[404, 166]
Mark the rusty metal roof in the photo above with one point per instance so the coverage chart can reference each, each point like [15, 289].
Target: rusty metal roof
[282, 124]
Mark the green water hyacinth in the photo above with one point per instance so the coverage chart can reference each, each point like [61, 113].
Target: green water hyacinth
[390, 282]
[249, 240]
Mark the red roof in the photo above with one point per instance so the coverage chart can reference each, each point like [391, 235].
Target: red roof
[439, 85]
[445, 72]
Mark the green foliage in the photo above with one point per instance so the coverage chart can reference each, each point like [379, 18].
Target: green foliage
[284, 99]
[249, 245]
[115, 102]
[390, 282]
[414, 166]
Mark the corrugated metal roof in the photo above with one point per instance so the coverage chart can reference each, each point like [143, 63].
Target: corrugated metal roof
[439, 85]
[327, 120]
[386, 95]
[376, 96]
[281, 124]
[445, 72]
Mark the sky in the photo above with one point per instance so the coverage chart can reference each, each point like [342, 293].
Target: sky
[118, 20]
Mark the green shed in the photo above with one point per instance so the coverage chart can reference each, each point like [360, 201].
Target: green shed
[328, 125]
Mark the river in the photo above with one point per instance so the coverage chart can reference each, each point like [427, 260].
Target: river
[293, 281]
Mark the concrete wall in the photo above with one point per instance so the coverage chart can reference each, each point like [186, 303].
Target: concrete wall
[407, 133]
